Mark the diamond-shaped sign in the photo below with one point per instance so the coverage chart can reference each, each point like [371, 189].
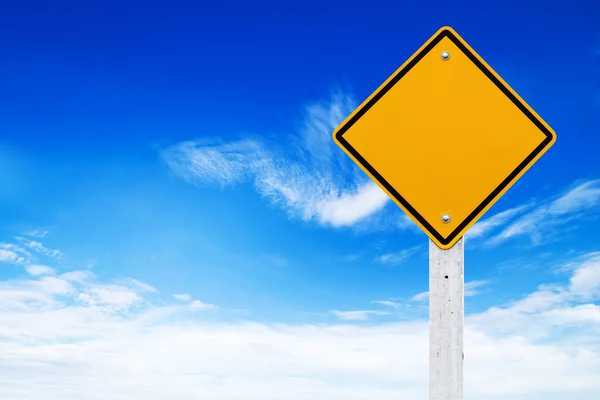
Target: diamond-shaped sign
[444, 137]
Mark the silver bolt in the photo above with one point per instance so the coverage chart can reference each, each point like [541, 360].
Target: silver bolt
[445, 55]
[445, 218]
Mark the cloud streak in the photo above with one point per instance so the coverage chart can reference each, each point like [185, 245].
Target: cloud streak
[537, 220]
[37, 270]
[24, 250]
[484, 226]
[38, 247]
[13, 254]
[579, 202]
[471, 289]
[358, 315]
[399, 257]
[311, 179]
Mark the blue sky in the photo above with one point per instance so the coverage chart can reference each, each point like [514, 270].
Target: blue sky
[176, 220]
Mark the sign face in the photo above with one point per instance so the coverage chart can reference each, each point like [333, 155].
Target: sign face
[444, 137]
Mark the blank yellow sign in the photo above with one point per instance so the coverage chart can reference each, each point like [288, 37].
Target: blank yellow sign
[444, 136]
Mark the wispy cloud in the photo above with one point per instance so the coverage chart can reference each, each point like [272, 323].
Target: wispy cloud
[398, 257]
[470, 289]
[347, 208]
[139, 285]
[24, 250]
[37, 233]
[358, 315]
[585, 281]
[404, 222]
[80, 276]
[388, 303]
[579, 202]
[10, 253]
[537, 219]
[38, 247]
[48, 292]
[313, 181]
[194, 304]
[553, 308]
[183, 297]
[10, 257]
[113, 297]
[484, 226]
[38, 270]
[423, 296]
[200, 305]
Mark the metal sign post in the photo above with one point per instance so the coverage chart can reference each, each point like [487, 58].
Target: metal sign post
[446, 319]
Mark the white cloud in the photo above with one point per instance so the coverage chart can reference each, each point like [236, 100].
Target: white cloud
[544, 346]
[7, 256]
[423, 296]
[73, 287]
[388, 303]
[194, 304]
[579, 202]
[199, 305]
[39, 247]
[13, 254]
[23, 251]
[553, 306]
[310, 181]
[37, 233]
[351, 207]
[223, 163]
[37, 270]
[134, 283]
[53, 286]
[585, 281]
[80, 276]
[183, 297]
[399, 257]
[584, 196]
[358, 315]
[470, 289]
[484, 226]
[117, 298]
[404, 222]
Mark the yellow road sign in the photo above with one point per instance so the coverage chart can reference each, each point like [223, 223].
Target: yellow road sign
[444, 137]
